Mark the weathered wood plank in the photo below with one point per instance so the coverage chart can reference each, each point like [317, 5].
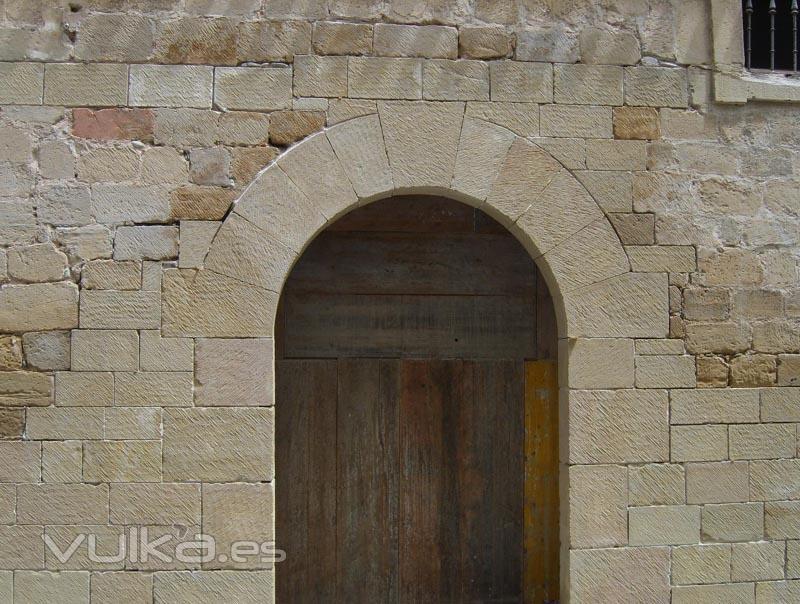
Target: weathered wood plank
[541, 514]
[319, 326]
[410, 214]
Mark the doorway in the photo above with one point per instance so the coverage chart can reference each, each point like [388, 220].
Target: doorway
[417, 417]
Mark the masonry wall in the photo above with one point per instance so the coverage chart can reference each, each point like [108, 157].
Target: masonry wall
[127, 130]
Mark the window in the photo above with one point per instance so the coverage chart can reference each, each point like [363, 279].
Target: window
[770, 34]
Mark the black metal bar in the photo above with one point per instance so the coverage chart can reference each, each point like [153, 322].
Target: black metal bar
[749, 40]
[772, 11]
[794, 11]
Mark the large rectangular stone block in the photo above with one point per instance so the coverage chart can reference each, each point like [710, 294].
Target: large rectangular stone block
[665, 525]
[25, 388]
[775, 479]
[701, 564]
[384, 78]
[234, 373]
[62, 504]
[171, 86]
[105, 350]
[254, 88]
[21, 547]
[598, 500]
[780, 404]
[588, 363]
[320, 76]
[85, 84]
[120, 309]
[153, 389]
[157, 353]
[575, 121]
[629, 574]
[155, 504]
[763, 441]
[731, 522]
[521, 82]
[59, 423]
[84, 389]
[665, 371]
[588, 84]
[21, 83]
[432, 41]
[151, 242]
[737, 406]
[656, 86]
[699, 443]
[38, 307]
[444, 80]
[720, 482]
[189, 587]
[122, 461]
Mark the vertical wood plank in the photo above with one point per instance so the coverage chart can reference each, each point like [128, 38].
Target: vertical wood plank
[366, 479]
[305, 510]
[541, 514]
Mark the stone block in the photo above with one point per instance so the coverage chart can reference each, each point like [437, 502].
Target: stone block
[171, 86]
[21, 461]
[155, 504]
[588, 363]
[547, 44]
[130, 423]
[196, 238]
[186, 127]
[63, 204]
[203, 304]
[575, 121]
[667, 371]
[188, 587]
[724, 338]
[247, 162]
[287, 127]
[444, 80]
[720, 482]
[778, 591]
[608, 47]
[25, 388]
[629, 574]
[588, 84]
[598, 499]
[320, 76]
[62, 504]
[485, 42]
[706, 304]
[62, 461]
[431, 41]
[113, 124]
[121, 588]
[481, 153]
[789, 370]
[636, 123]
[692, 564]
[602, 154]
[58, 423]
[715, 406]
[56, 161]
[611, 190]
[107, 274]
[521, 82]
[662, 258]
[664, 525]
[21, 547]
[10, 353]
[124, 38]
[239, 512]
[91, 84]
[218, 445]
[521, 118]
[37, 263]
[752, 370]
[384, 78]
[129, 203]
[776, 336]
[757, 561]
[122, 461]
[153, 389]
[146, 242]
[272, 41]
[21, 83]
[734, 594]
[210, 166]
[105, 350]
[87, 243]
[234, 373]
[84, 389]
[634, 229]
[771, 480]
[197, 41]
[656, 87]
[41, 587]
[360, 148]
[782, 520]
[38, 307]
[12, 423]
[253, 88]
[333, 38]
[732, 522]
[656, 484]
[106, 309]
[244, 127]
[618, 426]
[200, 203]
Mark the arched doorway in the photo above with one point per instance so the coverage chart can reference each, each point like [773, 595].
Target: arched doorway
[416, 412]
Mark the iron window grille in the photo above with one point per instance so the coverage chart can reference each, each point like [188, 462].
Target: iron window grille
[770, 35]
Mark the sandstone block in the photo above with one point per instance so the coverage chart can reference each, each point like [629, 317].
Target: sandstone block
[120, 309]
[146, 242]
[701, 564]
[588, 84]
[331, 38]
[21, 547]
[777, 336]
[25, 388]
[113, 124]
[717, 338]
[432, 41]
[481, 153]
[287, 127]
[618, 426]
[772, 480]
[665, 371]
[485, 42]
[575, 121]
[92, 84]
[64, 204]
[62, 504]
[105, 350]
[547, 44]
[84, 389]
[463, 80]
[778, 591]
[107, 274]
[789, 370]
[626, 574]
[122, 461]
[171, 86]
[187, 587]
[753, 370]
[247, 162]
[22, 461]
[384, 78]
[218, 445]
[197, 41]
[70, 587]
[37, 263]
[10, 353]
[253, 88]
[520, 118]
[636, 123]
[656, 484]
[12, 423]
[129, 423]
[782, 520]
[234, 372]
[611, 190]
[200, 203]
[62, 461]
[598, 498]
[153, 389]
[758, 304]
[634, 229]
[707, 304]
[87, 243]
[58, 423]
[129, 203]
[56, 161]
[736, 594]
[265, 41]
[239, 512]
[121, 588]
[38, 307]
[606, 47]
[656, 87]
[596, 363]
[731, 522]
[360, 148]
[126, 38]
[604, 154]
[664, 525]
[521, 82]
[195, 241]
[757, 561]
[715, 406]
[210, 166]
[721, 482]
[156, 504]
[207, 305]
[320, 76]
[186, 127]
[244, 127]
[21, 83]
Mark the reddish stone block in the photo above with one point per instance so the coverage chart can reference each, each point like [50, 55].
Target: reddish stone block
[113, 124]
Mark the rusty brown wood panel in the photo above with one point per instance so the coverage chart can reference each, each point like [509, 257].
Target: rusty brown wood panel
[324, 326]
[541, 514]
[305, 465]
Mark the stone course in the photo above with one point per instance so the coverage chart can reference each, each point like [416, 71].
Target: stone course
[163, 164]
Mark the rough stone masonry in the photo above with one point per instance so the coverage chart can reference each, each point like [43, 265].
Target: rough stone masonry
[136, 308]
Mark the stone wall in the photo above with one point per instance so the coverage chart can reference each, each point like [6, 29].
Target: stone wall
[136, 365]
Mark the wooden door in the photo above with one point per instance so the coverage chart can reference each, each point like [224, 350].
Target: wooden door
[416, 481]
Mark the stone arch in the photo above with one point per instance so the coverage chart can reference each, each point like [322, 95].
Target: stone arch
[435, 148]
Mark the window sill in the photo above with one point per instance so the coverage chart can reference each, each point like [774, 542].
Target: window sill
[747, 86]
